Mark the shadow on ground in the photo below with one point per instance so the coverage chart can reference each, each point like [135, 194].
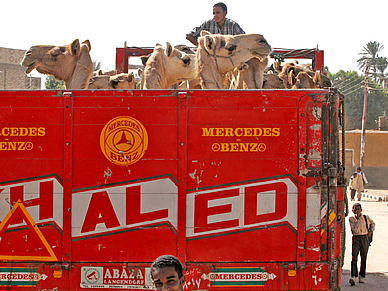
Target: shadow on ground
[373, 282]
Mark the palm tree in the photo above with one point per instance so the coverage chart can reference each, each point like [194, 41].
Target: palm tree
[370, 54]
[382, 64]
[96, 65]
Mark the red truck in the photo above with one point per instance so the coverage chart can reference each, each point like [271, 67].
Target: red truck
[245, 187]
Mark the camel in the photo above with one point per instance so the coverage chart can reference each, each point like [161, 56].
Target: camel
[284, 73]
[99, 82]
[250, 75]
[304, 80]
[121, 81]
[167, 66]
[272, 81]
[219, 54]
[105, 72]
[70, 63]
[323, 81]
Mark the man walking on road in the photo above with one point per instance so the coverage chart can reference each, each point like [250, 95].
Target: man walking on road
[362, 227]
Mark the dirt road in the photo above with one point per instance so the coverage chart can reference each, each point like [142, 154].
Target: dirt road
[377, 263]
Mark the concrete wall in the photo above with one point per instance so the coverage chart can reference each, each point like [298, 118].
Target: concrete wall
[375, 157]
[12, 74]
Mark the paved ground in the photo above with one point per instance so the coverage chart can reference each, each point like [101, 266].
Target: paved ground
[377, 263]
[375, 195]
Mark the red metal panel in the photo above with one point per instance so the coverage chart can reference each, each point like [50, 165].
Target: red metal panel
[223, 181]
[302, 181]
[182, 174]
[319, 61]
[316, 55]
[67, 175]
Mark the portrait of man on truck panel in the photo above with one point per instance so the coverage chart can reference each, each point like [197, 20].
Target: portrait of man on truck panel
[167, 273]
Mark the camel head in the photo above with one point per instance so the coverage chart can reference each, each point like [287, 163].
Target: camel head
[229, 51]
[219, 54]
[121, 81]
[99, 82]
[285, 72]
[105, 72]
[167, 66]
[71, 63]
[272, 81]
[302, 81]
[289, 73]
[321, 80]
[252, 74]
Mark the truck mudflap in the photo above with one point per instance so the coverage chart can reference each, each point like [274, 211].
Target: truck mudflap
[241, 186]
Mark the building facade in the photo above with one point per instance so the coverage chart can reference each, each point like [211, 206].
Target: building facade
[375, 156]
[12, 74]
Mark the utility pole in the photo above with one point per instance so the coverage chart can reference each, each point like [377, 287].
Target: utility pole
[362, 152]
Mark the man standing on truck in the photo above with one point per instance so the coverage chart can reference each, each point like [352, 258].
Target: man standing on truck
[167, 273]
[219, 24]
[362, 227]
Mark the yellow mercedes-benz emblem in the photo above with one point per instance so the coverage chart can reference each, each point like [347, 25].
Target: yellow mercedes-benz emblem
[123, 140]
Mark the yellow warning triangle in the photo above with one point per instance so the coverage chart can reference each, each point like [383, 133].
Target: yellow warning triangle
[20, 209]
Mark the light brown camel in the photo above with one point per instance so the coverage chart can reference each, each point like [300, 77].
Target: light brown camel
[167, 66]
[121, 81]
[105, 72]
[70, 63]
[305, 81]
[284, 72]
[219, 54]
[251, 75]
[99, 82]
[272, 81]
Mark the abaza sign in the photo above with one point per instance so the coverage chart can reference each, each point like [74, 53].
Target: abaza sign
[115, 277]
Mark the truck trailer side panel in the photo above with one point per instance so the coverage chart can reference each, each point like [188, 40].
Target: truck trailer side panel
[241, 186]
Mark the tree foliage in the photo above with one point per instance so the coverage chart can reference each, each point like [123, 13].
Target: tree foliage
[353, 87]
[54, 84]
[371, 57]
[96, 65]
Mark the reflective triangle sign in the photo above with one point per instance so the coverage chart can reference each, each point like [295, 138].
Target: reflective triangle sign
[26, 243]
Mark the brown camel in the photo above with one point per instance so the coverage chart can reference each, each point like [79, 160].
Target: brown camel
[284, 73]
[105, 72]
[167, 66]
[70, 63]
[121, 81]
[272, 81]
[251, 75]
[99, 82]
[305, 81]
[219, 54]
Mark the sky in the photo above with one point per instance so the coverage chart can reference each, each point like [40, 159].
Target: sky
[341, 28]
